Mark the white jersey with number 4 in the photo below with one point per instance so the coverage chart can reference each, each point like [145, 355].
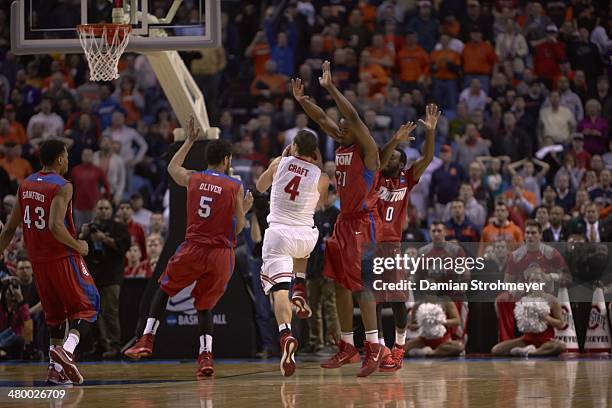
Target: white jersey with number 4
[295, 192]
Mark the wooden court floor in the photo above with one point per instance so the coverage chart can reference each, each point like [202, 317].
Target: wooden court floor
[239, 383]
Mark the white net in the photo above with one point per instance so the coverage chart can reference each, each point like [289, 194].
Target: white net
[103, 45]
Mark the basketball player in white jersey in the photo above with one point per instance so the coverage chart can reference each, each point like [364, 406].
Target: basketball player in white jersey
[298, 188]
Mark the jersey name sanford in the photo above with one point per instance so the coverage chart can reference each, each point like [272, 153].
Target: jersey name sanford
[344, 159]
[392, 196]
[211, 187]
[33, 195]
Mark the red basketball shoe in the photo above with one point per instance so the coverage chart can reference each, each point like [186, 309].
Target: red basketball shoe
[372, 359]
[205, 361]
[298, 299]
[288, 346]
[57, 377]
[142, 348]
[347, 354]
[393, 362]
[65, 359]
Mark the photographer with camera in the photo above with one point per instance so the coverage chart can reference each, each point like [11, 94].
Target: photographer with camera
[108, 242]
[14, 313]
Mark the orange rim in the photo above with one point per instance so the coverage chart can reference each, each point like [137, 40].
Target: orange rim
[98, 29]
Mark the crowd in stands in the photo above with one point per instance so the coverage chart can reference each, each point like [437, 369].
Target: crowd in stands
[524, 87]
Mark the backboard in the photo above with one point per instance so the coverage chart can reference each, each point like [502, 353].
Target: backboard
[49, 26]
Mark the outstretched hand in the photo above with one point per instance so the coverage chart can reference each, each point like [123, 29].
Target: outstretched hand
[326, 80]
[403, 133]
[247, 202]
[431, 117]
[192, 133]
[298, 90]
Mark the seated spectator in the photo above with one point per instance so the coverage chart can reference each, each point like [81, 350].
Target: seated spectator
[445, 181]
[594, 128]
[570, 170]
[17, 167]
[15, 320]
[472, 209]
[603, 190]
[556, 231]
[582, 158]
[500, 228]
[531, 180]
[157, 225]
[565, 196]
[458, 226]
[512, 140]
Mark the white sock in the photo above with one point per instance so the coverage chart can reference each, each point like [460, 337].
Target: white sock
[372, 336]
[347, 337]
[400, 338]
[381, 340]
[71, 343]
[206, 343]
[284, 326]
[152, 325]
[300, 275]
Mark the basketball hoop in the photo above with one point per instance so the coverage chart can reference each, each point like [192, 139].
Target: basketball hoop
[103, 45]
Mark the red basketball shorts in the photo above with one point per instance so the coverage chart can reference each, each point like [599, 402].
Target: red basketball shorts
[345, 249]
[210, 268]
[391, 276]
[66, 290]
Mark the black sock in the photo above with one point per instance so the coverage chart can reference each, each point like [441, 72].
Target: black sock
[205, 322]
[158, 304]
[299, 281]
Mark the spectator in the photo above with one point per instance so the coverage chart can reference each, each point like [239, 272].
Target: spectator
[107, 106]
[14, 314]
[556, 231]
[52, 123]
[548, 56]
[594, 128]
[473, 97]
[372, 74]
[426, 27]
[157, 226]
[479, 60]
[11, 130]
[125, 214]
[582, 158]
[459, 227]
[500, 228]
[584, 55]
[259, 52]
[17, 167]
[556, 121]
[109, 241]
[142, 216]
[569, 169]
[270, 85]
[511, 47]
[445, 181]
[87, 179]
[127, 137]
[301, 123]
[381, 53]
[565, 196]
[470, 146]
[568, 98]
[520, 200]
[356, 34]
[531, 180]
[445, 68]
[282, 46]
[113, 167]
[472, 209]
[512, 140]
[474, 18]
[413, 63]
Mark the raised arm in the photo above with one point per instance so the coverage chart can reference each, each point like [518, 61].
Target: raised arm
[59, 205]
[360, 130]
[513, 167]
[180, 174]
[544, 168]
[265, 180]
[401, 135]
[430, 123]
[243, 205]
[8, 231]
[313, 111]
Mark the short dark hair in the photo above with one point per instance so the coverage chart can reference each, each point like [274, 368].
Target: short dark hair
[306, 143]
[50, 150]
[437, 222]
[403, 157]
[217, 150]
[533, 223]
[125, 202]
